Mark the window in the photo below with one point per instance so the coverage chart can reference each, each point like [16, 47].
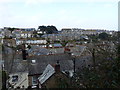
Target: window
[15, 78]
[34, 80]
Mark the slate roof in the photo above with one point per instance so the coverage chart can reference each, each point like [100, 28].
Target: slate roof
[48, 72]
[65, 60]
[36, 50]
[57, 45]
[21, 66]
[40, 64]
[42, 61]
[56, 50]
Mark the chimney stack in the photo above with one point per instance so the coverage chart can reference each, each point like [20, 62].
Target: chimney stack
[57, 66]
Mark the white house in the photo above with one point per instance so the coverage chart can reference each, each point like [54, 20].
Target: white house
[18, 80]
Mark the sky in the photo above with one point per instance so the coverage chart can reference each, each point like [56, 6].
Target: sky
[85, 14]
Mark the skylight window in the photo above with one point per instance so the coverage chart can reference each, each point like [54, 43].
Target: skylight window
[15, 78]
[33, 61]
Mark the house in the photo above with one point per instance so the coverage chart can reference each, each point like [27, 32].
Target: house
[27, 34]
[37, 50]
[37, 65]
[31, 42]
[17, 33]
[34, 66]
[1, 33]
[9, 42]
[43, 50]
[81, 54]
[7, 33]
[55, 45]
[76, 32]
[23, 32]
[36, 42]
[18, 80]
[53, 77]
[52, 37]
[82, 57]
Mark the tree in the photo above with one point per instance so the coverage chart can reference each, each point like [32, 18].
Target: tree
[106, 74]
[35, 34]
[51, 29]
[11, 29]
[103, 36]
[93, 38]
[64, 43]
[42, 28]
[48, 29]
[29, 47]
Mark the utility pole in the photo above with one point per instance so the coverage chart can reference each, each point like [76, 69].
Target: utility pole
[4, 78]
[74, 65]
[93, 53]
[93, 56]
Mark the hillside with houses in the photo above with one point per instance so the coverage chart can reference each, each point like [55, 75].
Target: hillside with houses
[48, 58]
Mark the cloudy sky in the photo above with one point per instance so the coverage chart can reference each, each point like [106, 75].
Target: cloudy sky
[87, 14]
